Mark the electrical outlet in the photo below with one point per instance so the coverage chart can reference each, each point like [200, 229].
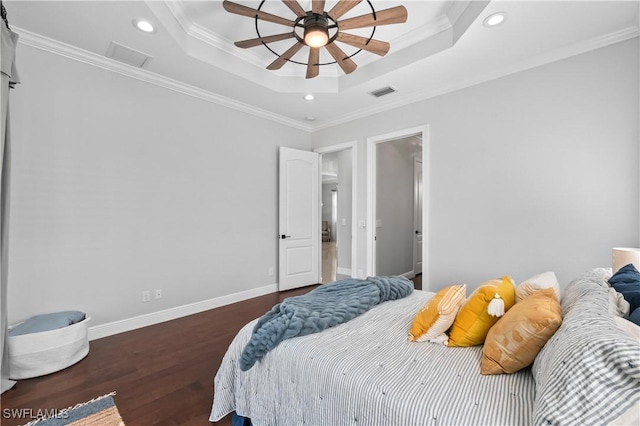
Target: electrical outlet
[158, 293]
[146, 296]
[271, 271]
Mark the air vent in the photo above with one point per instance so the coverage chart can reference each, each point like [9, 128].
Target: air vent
[384, 91]
[127, 55]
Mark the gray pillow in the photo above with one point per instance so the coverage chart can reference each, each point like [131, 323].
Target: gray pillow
[589, 371]
[47, 322]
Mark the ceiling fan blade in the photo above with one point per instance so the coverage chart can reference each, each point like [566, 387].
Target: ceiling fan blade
[245, 44]
[341, 58]
[295, 8]
[342, 7]
[317, 6]
[374, 46]
[313, 69]
[239, 9]
[394, 15]
[278, 63]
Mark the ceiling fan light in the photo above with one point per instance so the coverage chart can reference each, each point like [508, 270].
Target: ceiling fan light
[316, 36]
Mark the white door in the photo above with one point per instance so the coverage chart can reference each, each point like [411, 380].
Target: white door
[417, 216]
[299, 220]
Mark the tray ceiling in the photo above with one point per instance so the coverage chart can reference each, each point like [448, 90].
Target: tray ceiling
[442, 47]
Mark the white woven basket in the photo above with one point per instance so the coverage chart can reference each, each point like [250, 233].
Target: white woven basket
[37, 354]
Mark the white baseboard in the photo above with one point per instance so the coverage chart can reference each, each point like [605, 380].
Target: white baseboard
[152, 318]
[343, 271]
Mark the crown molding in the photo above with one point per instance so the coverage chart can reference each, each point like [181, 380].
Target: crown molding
[249, 64]
[196, 32]
[455, 10]
[56, 47]
[329, 73]
[543, 59]
[412, 38]
[201, 44]
[31, 39]
[199, 33]
[191, 29]
[421, 33]
[179, 14]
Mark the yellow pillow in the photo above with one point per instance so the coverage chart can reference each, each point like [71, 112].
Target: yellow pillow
[474, 318]
[537, 283]
[437, 315]
[515, 340]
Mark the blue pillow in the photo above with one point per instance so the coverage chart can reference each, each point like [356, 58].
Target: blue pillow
[47, 322]
[635, 317]
[627, 282]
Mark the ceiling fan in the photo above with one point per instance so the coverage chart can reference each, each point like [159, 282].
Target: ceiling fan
[320, 29]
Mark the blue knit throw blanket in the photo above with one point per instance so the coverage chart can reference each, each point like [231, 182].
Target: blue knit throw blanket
[321, 308]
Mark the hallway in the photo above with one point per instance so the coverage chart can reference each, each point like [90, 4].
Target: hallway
[329, 263]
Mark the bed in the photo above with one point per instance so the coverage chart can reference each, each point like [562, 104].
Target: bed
[365, 372]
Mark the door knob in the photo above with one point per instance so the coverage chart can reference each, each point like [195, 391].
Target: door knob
[285, 236]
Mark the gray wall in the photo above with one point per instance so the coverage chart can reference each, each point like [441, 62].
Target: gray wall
[120, 186]
[531, 172]
[394, 207]
[345, 184]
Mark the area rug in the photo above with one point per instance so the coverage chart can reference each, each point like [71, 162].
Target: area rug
[99, 411]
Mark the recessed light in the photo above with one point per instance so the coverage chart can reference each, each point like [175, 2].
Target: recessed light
[309, 97]
[495, 19]
[310, 118]
[144, 26]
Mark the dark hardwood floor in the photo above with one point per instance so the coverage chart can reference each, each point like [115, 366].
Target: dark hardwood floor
[163, 374]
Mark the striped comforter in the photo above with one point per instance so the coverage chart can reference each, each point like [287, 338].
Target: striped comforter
[365, 372]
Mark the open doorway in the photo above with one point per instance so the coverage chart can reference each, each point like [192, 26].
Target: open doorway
[337, 212]
[395, 203]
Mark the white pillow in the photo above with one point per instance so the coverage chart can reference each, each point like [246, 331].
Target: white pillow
[537, 283]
